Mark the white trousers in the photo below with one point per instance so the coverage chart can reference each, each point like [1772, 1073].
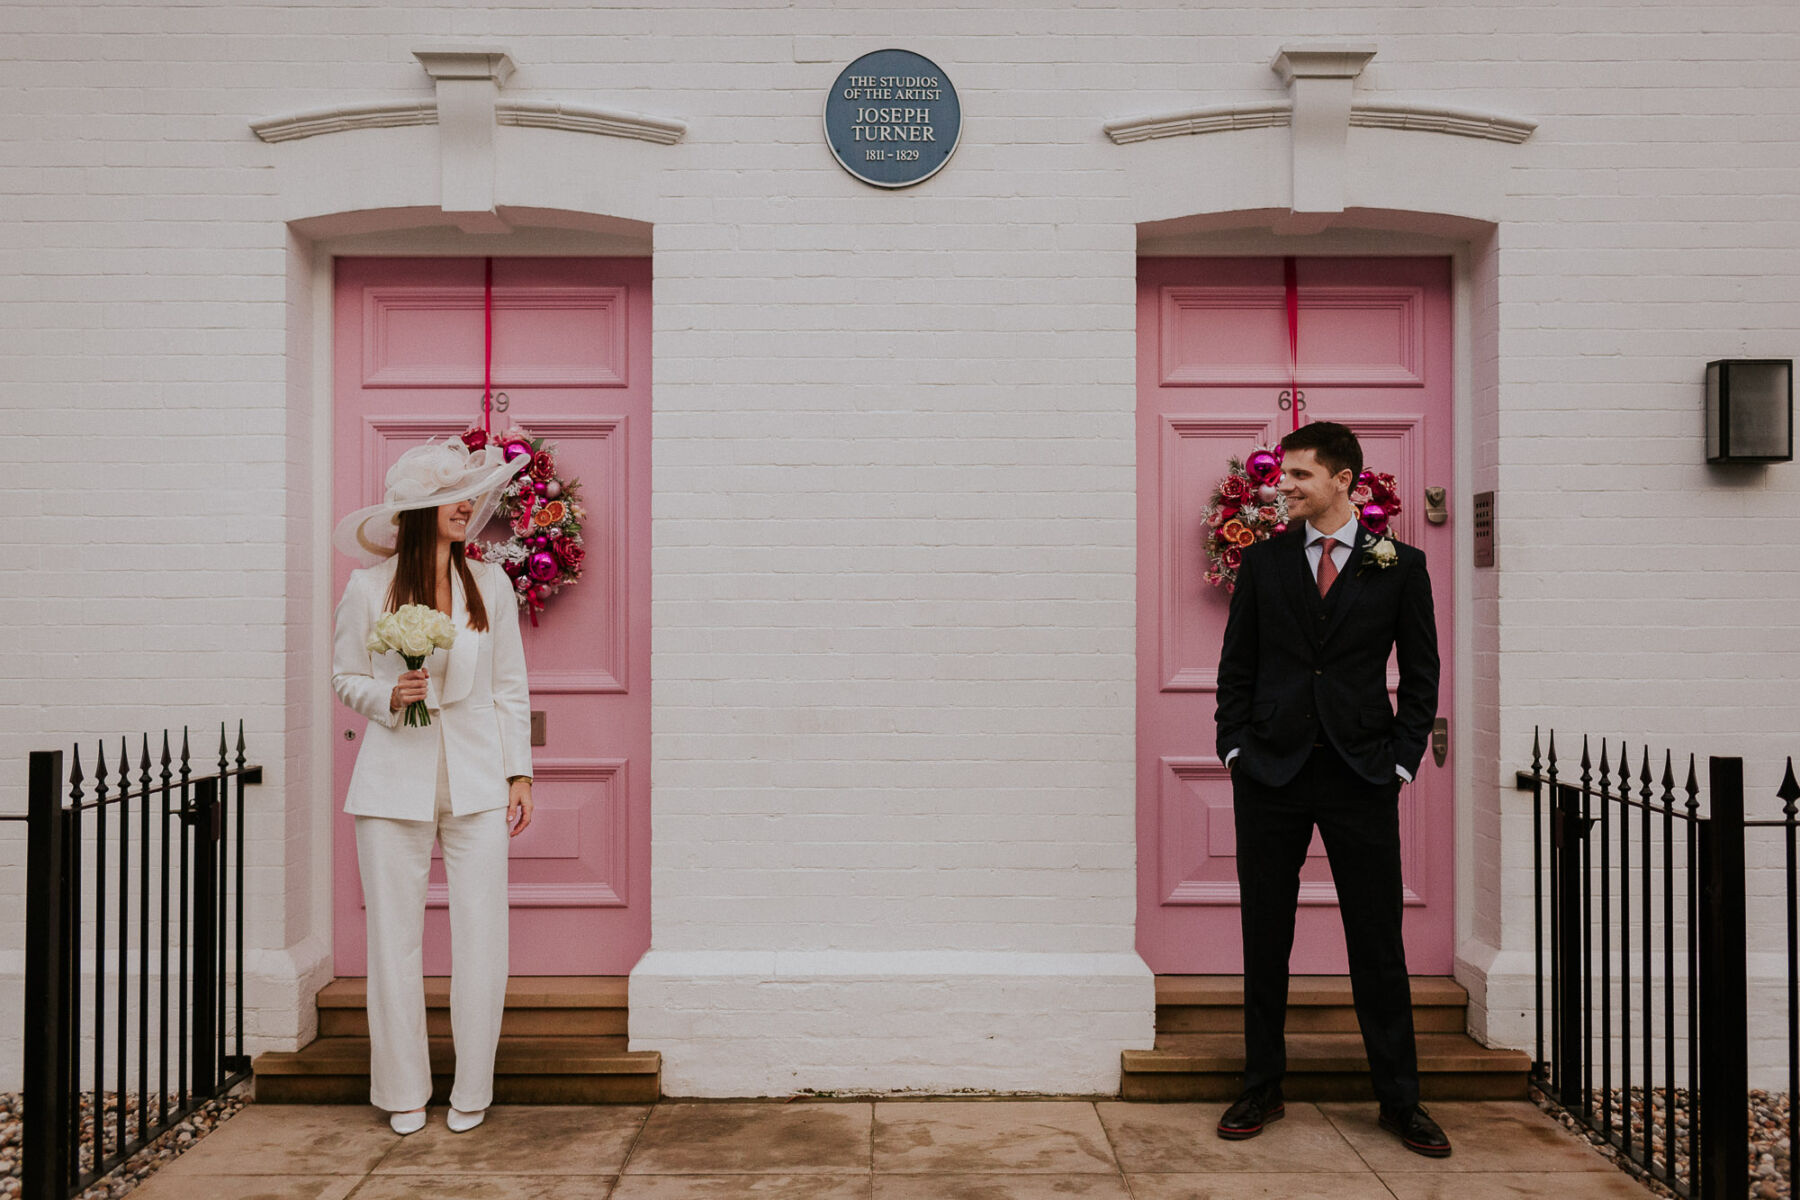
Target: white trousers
[394, 858]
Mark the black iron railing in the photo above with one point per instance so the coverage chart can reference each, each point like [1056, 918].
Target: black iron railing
[186, 908]
[1642, 973]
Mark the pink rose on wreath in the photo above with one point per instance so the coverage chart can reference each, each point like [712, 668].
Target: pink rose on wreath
[472, 551]
[543, 467]
[1269, 513]
[475, 439]
[1234, 489]
[1232, 557]
[1362, 494]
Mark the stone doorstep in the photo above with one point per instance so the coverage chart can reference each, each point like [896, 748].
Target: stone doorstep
[1321, 1052]
[1199, 1052]
[563, 1041]
[536, 1006]
[522, 991]
[1304, 991]
[527, 1070]
[516, 1056]
[1316, 1004]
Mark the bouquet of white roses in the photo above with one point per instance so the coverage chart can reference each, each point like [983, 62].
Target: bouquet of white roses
[411, 632]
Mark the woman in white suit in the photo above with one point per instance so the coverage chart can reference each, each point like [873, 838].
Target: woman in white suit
[464, 780]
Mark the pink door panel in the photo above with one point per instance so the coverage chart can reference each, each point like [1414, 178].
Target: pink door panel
[572, 355]
[1375, 338]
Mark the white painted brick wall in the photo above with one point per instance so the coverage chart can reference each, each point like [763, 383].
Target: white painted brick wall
[894, 520]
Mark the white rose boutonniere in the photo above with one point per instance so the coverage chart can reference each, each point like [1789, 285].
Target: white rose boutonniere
[412, 631]
[1381, 553]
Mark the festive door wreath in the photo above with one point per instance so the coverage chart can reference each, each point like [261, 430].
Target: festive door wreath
[542, 509]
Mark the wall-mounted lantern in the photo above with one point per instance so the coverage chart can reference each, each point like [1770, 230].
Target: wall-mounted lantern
[1750, 410]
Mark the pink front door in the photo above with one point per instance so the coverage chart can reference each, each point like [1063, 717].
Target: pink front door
[572, 355]
[1213, 357]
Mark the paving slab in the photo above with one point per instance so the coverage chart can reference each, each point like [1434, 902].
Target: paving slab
[1001, 1187]
[486, 1187]
[161, 1186]
[290, 1139]
[952, 1137]
[1260, 1185]
[1488, 1136]
[749, 1187]
[1513, 1185]
[753, 1138]
[1184, 1139]
[521, 1139]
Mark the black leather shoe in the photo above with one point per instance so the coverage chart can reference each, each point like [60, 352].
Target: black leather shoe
[1253, 1110]
[1416, 1131]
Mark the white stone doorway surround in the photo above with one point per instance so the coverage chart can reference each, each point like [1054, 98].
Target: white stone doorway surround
[1325, 172]
[414, 178]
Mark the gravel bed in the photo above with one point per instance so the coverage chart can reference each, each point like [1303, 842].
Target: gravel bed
[1769, 1151]
[138, 1167]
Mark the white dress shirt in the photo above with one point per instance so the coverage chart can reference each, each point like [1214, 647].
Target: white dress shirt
[1342, 540]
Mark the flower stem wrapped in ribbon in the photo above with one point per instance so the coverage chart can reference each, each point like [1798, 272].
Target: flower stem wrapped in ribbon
[412, 631]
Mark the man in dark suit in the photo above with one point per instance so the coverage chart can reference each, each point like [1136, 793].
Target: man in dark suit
[1305, 728]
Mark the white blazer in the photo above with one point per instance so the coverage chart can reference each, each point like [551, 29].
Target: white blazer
[477, 697]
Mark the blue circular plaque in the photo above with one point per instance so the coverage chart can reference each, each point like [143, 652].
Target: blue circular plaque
[892, 118]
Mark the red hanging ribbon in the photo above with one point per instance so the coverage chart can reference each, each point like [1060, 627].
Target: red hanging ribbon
[487, 404]
[487, 357]
[1291, 282]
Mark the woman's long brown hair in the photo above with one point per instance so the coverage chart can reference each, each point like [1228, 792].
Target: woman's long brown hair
[415, 567]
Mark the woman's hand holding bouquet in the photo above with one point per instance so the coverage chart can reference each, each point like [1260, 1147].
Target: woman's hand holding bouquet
[412, 632]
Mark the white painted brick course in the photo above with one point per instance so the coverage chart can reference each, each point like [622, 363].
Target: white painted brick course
[895, 479]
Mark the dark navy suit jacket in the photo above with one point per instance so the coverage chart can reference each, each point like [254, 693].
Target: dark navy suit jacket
[1296, 668]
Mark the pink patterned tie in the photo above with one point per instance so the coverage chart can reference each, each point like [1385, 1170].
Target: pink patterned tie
[1328, 571]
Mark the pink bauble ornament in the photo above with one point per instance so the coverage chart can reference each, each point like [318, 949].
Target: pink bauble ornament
[541, 488]
[552, 490]
[1267, 493]
[516, 449]
[1280, 528]
[522, 582]
[543, 566]
[1262, 466]
[1375, 517]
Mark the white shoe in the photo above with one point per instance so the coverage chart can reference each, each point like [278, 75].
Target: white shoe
[404, 1123]
[459, 1121]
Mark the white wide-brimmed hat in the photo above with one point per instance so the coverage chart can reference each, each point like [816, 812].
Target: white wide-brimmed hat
[425, 477]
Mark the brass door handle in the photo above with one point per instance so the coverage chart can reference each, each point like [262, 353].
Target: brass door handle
[1436, 511]
[1440, 739]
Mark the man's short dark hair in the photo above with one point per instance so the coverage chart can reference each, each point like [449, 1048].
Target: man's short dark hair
[1334, 445]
